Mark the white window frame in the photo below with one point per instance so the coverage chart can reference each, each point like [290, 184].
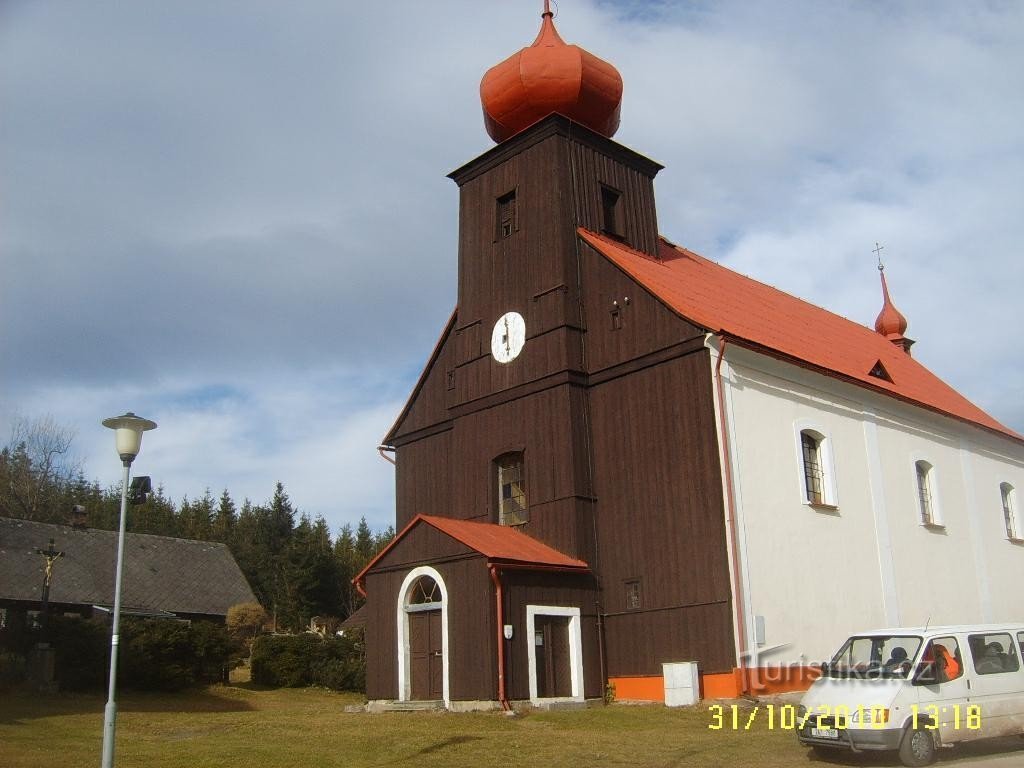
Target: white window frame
[575, 650]
[932, 478]
[1008, 498]
[404, 663]
[828, 474]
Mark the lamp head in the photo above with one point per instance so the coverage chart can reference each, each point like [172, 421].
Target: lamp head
[128, 431]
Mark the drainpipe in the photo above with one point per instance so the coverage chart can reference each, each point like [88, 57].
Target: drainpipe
[731, 506]
[388, 459]
[500, 618]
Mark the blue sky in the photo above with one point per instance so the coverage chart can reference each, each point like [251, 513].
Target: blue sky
[234, 218]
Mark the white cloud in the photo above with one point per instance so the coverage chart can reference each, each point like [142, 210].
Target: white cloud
[234, 223]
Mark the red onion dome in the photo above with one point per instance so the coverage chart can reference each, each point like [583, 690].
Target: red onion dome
[890, 322]
[548, 77]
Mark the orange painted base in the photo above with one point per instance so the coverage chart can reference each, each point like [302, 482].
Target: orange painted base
[726, 685]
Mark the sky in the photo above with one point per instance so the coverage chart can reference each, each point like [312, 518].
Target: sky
[233, 218]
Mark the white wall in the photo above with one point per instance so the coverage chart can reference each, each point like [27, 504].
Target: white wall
[819, 574]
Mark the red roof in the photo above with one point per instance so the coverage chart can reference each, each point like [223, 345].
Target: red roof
[765, 318]
[498, 543]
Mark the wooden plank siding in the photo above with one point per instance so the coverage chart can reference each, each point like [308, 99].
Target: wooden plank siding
[661, 519]
[423, 479]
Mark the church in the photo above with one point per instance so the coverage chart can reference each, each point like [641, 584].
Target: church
[622, 455]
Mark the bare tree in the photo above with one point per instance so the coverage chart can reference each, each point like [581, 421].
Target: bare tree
[36, 466]
[246, 621]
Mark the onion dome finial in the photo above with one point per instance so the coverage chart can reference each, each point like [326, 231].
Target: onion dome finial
[890, 321]
[547, 77]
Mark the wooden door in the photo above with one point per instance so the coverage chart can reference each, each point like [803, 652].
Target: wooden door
[551, 643]
[426, 659]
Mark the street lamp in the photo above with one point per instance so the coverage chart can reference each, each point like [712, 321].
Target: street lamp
[128, 430]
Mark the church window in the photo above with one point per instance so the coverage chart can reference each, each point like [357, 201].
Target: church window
[814, 458]
[512, 508]
[611, 212]
[616, 313]
[926, 500]
[633, 602]
[1009, 499]
[424, 592]
[508, 215]
[814, 476]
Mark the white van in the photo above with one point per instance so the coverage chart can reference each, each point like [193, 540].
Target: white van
[914, 689]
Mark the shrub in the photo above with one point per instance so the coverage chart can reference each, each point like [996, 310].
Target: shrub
[83, 652]
[293, 661]
[12, 669]
[170, 655]
[154, 654]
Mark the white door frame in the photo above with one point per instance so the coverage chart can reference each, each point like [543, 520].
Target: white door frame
[575, 649]
[404, 673]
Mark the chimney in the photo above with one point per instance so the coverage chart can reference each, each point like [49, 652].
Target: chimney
[78, 517]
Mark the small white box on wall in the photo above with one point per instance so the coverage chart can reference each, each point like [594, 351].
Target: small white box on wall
[682, 683]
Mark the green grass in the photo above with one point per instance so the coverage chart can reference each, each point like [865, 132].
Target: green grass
[244, 726]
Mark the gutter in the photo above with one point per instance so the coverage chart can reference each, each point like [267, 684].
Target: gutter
[730, 501]
[499, 609]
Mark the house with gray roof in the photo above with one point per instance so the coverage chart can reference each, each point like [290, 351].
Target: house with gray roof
[163, 576]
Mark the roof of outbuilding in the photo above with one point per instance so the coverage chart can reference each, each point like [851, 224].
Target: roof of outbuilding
[180, 576]
[500, 544]
[769, 320]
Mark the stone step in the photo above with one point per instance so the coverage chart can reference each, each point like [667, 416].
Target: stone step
[410, 706]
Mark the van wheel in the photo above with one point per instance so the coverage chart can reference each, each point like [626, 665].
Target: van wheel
[918, 748]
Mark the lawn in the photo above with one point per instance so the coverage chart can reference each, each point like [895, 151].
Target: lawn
[240, 726]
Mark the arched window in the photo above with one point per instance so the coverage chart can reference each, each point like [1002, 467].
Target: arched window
[424, 591]
[817, 485]
[926, 493]
[814, 474]
[1009, 498]
[511, 490]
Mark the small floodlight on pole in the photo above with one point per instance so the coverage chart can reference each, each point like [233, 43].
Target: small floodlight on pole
[128, 430]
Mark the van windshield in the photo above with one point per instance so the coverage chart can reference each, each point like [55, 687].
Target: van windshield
[877, 657]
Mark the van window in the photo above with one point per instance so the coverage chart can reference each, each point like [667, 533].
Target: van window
[874, 657]
[993, 653]
[941, 661]
[1020, 642]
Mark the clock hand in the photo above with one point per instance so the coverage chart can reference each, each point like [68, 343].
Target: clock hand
[508, 339]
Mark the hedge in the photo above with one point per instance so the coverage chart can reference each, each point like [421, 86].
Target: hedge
[295, 661]
[154, 654]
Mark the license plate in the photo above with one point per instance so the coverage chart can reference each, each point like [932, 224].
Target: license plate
[824, 733]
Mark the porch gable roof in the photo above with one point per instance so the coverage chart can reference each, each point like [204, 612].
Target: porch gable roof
[500, 544]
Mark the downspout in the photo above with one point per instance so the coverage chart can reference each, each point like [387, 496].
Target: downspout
[499, 613]
[388, 459]
[731, 507]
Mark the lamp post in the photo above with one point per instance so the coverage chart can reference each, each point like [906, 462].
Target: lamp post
[128, 430]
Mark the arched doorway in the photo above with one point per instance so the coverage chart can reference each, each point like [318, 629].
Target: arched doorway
[423, 637]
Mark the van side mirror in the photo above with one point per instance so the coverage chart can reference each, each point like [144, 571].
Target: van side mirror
[927, 674]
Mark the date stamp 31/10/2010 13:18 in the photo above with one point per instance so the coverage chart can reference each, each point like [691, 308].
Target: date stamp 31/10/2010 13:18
[788, 717]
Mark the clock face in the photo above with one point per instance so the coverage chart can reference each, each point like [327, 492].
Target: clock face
[508, 337]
